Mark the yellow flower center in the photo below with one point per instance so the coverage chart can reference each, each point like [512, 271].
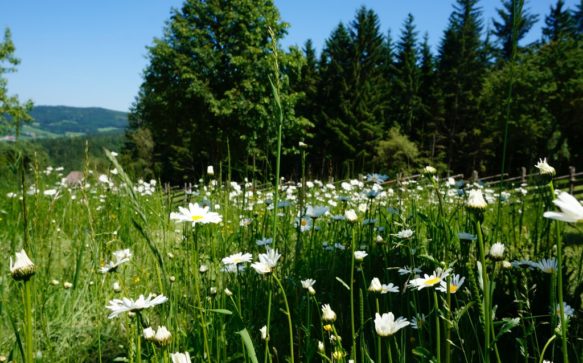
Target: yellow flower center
[453, 288]
[432, 281]
[196, 218]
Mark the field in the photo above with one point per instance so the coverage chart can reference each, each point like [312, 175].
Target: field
[370, 269]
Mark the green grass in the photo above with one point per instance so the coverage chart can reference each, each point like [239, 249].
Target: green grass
[72, 234]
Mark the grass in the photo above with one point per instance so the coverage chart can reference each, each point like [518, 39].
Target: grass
[215, 313]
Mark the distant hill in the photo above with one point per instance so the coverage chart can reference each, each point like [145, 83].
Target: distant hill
[55, 121]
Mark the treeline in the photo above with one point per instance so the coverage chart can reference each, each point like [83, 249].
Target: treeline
[370, 101]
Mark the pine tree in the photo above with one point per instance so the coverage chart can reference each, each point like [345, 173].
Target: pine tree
[559, 24]
[206, 94]
[515, 22]
[578, 18]
[461, 68]
[407, 81]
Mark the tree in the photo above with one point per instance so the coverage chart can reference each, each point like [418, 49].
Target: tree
[559, 23]
[461, 69]
[352, 90]
[408, 102]
[12, 111]
[515, 22]
[578, 18]
[206, 96]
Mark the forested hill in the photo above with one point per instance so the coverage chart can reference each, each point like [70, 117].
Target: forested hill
[52, 121]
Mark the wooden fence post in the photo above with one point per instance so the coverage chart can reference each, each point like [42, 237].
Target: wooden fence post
[522, 175]
[572, 180]
[475, 176]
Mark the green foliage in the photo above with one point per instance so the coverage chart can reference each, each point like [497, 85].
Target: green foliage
[559, 24]
[12, 112]
[515, 22]
[397, 152]
[206, 97]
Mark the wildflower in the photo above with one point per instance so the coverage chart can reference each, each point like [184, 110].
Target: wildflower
[149, 333]
[404, 234]
[454, 284]
[267, 261]
[418, 321]
[304, 223]
[544, 168]
[228, 292]
[466, 236]
[429, 170]
[436, 277]
[237, 258]
[321, 347]
[567, 309]
[264, 241]
[203, 268]
[180, 357]
[360, 255]
[350, 215]
[338, 355]
[196, 214]
[328, 314]
[67, 285]
[571, 209]
[119, 257]
[308, 284]
[497, 251]
[263, 331]
[22, 268]
[210, 170]
[548, 266]
[119, 306]
[476, 200]
[375, 285]
[162, 336]
[405, 270]
[386, 325]
[316, 211]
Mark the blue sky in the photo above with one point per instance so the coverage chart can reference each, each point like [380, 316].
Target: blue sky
[92, 53]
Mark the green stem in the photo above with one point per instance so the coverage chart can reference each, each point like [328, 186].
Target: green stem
[352, 325]
[437, 325]
[542, 354]
[289, 320]
[389, 352]
[486, 309]
[198, 298]
[28, 322]
[560, 286]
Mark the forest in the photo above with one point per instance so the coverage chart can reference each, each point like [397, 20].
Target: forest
[372, 100]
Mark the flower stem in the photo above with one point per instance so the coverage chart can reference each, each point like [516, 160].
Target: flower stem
[437, 325]
[28, 322]
[352, 325]
[289, 320]
[560, 286]
[486, 309]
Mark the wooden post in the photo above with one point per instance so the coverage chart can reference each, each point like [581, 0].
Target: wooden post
[475, 176]
[572, 180]
[523, 175]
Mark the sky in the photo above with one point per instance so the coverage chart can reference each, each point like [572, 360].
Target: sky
[91, 53]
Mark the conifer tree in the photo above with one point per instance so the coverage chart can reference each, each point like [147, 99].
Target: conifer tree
[461, 68]
[407, 81]
[559, 24]
[515, 22]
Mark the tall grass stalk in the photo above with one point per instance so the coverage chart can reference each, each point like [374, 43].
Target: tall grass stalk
[28, 326]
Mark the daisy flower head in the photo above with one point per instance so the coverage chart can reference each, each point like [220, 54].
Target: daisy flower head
[404, 234]
[546, 265]
[571, 209]
[430, 280]
[567, 309]
[386, 325]
[237, 258]
[120, 306]
[22, 268]
[351, 216]
[119, 257]
[196, 214]
[360, 255]
[497, 251]
[544, 168]
[308, 284]
[328, 314]
[454, 284]
[180, 357]
[476, 200]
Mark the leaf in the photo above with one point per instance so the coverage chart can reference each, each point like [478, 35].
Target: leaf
[220, 311]
[248, 344]
[343, 283]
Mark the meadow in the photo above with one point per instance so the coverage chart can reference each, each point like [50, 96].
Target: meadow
[427, 268]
